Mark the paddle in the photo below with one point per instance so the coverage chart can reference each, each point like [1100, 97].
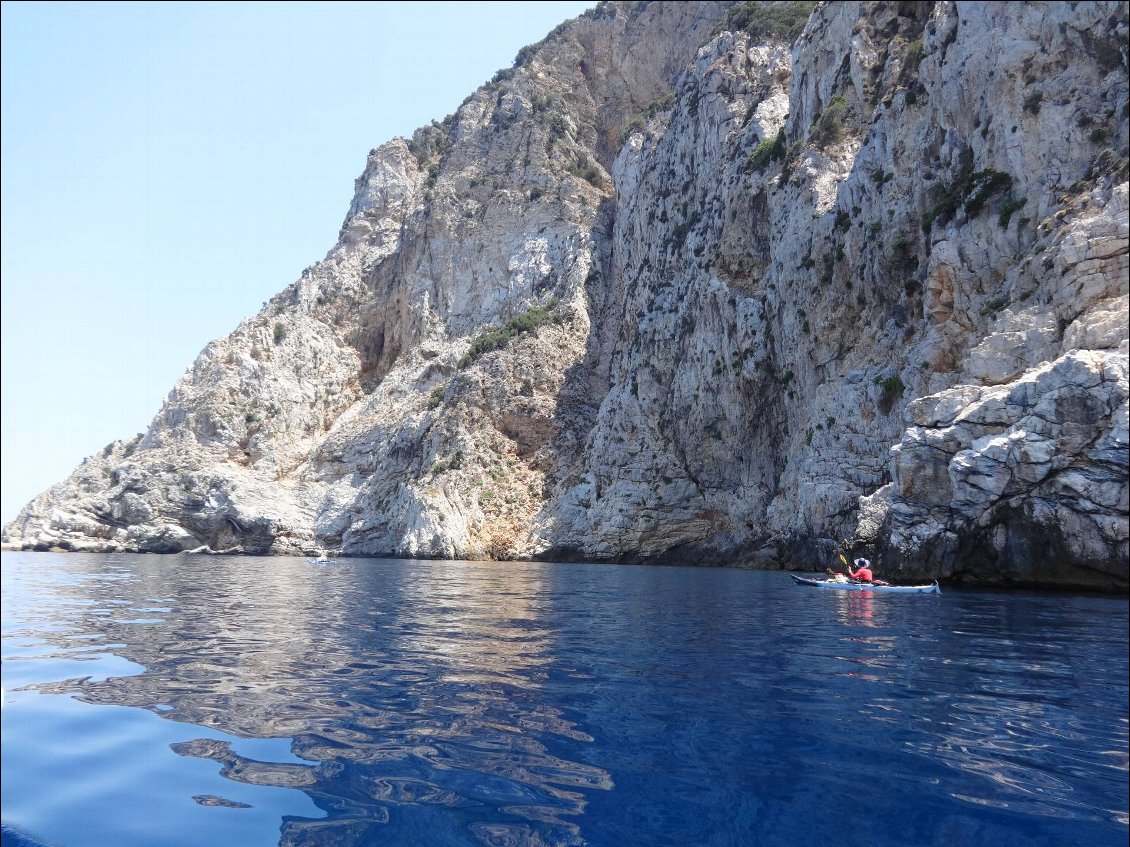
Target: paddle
[831, 573]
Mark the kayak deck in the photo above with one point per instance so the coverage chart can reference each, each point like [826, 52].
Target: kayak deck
[932, 588]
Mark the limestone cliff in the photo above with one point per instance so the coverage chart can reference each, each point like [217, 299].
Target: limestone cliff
[666, 291]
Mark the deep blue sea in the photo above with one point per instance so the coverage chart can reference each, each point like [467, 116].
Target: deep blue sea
[195, 700]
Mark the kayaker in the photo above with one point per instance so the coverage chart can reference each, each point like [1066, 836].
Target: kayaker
[862, 572]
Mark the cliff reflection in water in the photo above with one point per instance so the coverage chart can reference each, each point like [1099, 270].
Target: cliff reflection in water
[404, 685]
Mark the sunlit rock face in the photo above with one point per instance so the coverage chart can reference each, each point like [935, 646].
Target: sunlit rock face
[668, 292]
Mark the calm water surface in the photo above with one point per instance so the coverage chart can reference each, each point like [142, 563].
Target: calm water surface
[169, 700]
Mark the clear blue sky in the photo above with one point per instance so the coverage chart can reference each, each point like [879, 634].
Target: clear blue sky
[166, 168]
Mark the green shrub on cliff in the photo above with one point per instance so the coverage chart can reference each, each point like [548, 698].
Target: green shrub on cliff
[893, 388]
[1008, 207]
[495, 339]
[637, 123]
[828, 127]
[971, 190]
[911, 59]
[779, 21]
[766, 151]
[435, 399]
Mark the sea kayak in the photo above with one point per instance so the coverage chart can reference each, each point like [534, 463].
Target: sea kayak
[932, 588]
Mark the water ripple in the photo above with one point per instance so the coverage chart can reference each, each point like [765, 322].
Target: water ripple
[472, 703]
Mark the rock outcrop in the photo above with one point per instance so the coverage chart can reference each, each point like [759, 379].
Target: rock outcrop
[666, 291]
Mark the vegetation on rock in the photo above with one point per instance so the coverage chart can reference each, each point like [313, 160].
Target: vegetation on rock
[779, 21]
[495, 339]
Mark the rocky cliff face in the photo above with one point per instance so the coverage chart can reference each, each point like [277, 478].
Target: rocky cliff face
[665, 291]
